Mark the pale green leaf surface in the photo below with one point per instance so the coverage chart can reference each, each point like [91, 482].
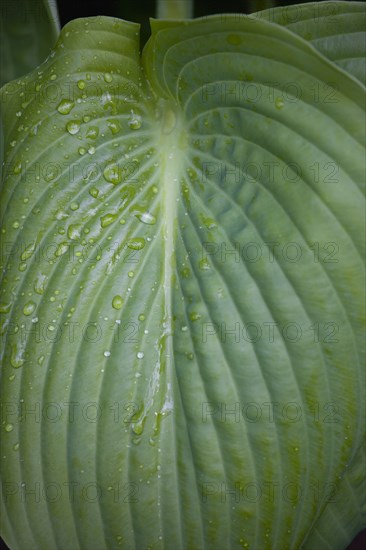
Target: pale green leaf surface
[136, 228]
[336, 29]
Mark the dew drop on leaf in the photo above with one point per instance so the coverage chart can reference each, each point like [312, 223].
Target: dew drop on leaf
[146, 218]
[73, 232]
[17, 168]
[135, 121]
[16, 359]
[117, 302]
[93, 132]
[73, 127]
[112, 174]
[114, 126]
[39, 283]
[29, 308]
[194, 316]
[5, 307]
[279, 103]
[107, 219]
[136, 244]
[28, 252]
[204, 265]
[65, 106]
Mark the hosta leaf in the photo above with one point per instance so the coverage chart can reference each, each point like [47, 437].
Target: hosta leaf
[336, 29]
[183, 238]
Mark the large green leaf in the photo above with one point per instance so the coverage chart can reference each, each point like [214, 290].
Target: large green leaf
[337, 29]
[183, 238]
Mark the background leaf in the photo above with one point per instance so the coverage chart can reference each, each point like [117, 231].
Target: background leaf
[336, 29]
[28, 31]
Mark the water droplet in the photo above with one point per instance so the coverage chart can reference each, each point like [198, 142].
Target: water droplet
[15, 225]
[74, 206]
[28, 251]
[91, 150]
[39, 283]
[94, 192]
[117, 302]
[81, 150]
[16, 359]
[107, 353]
[53, 76]
[73, 232]
[146, 218]
[114, 126]
[108, 77]
[65, 106]
[204, 264]
[107, 219]
[140, 355]
[22, 266]
[279, 103]
[40, 359]
[131, 274]
[135, 121]
[17, 168]
[141, 317]
[136, 243]
[29, 308]
[51, 173]
[73, 127]
[81, 84]
[9, 427]
[61, 249]
[209, 223]
[5, 307]
[194, 316]
[16, 447]
[184, 328]
[112, 173]
[93, 132]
